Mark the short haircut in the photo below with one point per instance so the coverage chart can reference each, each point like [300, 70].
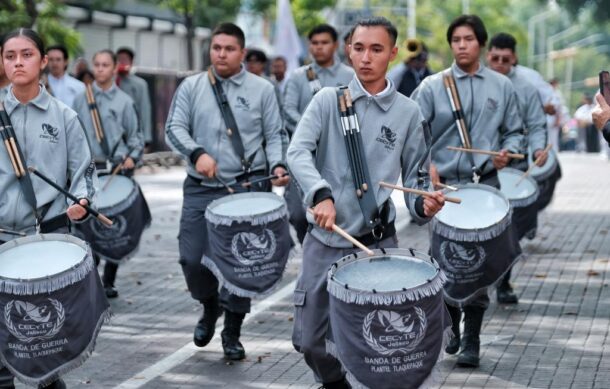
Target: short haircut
[472, 21]
[377, 21]
[106, 51]
[232, 30]
[61, 48]
[256, 55]
[280, 58]
[503, 40]
[322, 29]
[126, 50]
[27, 33]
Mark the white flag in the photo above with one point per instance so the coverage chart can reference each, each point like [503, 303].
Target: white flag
[286, 42]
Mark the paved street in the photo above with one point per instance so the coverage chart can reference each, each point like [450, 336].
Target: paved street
[556, 337]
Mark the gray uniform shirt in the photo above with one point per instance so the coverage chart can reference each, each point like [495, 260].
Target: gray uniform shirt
[298, 94]
[393, 138]
[4, 91]
[137, 89]
[491, 111]
[195, 122]
[530, 107]
[120, 122]
[53, 141]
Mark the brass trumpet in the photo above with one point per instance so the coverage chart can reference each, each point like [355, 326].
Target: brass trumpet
[414, 48]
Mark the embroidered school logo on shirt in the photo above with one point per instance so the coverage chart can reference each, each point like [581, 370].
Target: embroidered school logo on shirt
[387, 137]
[242, 103]
[492, 104]
[49, 133]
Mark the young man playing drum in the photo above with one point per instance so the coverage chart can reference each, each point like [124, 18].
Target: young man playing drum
[303, 84]
[393, 132]
[490, 108]
[501, 57]
[196, 128]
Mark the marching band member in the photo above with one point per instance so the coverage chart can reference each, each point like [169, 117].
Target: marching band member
[64, 86]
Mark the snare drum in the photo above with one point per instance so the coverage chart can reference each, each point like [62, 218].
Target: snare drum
[388, 318]
[52, 304]
[249, 241]
[473, 241]
[547, 176]
[522, 194]
[123, 202]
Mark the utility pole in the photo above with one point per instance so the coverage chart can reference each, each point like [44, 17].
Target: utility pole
[465, 7]
[412, 20]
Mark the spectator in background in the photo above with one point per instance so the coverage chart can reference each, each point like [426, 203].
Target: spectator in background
[588, 139]
[347, 41]
[278, 72]
[601, 120]
[63, 86]
[556, 121]
[409, 74]
[256, 62]
[137, 89]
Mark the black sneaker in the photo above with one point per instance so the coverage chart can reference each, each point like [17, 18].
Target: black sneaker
[111, 292]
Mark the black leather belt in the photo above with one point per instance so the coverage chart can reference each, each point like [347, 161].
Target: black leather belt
[54, 223]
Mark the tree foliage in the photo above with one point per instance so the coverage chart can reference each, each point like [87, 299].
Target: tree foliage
[600, 9]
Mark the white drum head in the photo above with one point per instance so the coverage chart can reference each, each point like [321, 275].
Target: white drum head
[35, 257]
[515, 188]
[117, 191]
[246, 204]
[540, 173]
[482, 207]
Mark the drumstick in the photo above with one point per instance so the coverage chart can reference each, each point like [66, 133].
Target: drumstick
[117, 168]
[532, 166]
[271, 177]
[348, 237]
[11, 232]
[445, 186]
[454, 200]
[231, 190]
[69, 195]
[486, 152]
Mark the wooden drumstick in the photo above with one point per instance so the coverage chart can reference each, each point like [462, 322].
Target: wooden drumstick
[231, 190]
[11, 232]
[117, 168]
[532, 166]
[271, 177]
[486, 152]
[454, 200]
[69, 195]
[348, 237]
[448, 187]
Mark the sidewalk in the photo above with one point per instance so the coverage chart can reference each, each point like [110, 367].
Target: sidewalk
[554, 338]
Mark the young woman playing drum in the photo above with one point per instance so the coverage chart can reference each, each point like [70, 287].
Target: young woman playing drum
[56, 146]
[115, 136]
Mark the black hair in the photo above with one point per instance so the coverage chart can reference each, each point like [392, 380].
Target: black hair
[323, 29]
[106, 51]
[27, 33]
[61, 48]
[232, 30]
[80, 76]
[280, 58]
[472, 21]
[378, 21]
[256, 55]
[126, 50]
[503, 40]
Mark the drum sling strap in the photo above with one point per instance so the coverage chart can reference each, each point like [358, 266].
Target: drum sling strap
[229, 119]
[314, 82]
[358, 166]
[460, 123]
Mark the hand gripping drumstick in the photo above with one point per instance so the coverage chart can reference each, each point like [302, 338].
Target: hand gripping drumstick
[532, 166]
[486, 152]
[348, 237]
[419, 192]
[69, 195]
[271, 177]
[117, 168]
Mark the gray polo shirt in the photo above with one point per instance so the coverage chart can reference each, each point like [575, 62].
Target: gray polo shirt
[120, 122]
[491, 111]
[137, 88]
[53, 141]
[393, 138]
[298, 93]
[195, 123]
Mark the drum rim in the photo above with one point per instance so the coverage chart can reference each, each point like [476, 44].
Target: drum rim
[520, 202]
[541, 173]
[51, 283]
[359, 296]
[122, 205]
[257, 219]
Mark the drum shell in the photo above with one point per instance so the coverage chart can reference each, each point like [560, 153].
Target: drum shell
[360, 321]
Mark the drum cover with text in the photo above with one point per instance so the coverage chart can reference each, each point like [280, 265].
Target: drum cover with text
[52, 306]
[388, 318]
[124, 203]
[474, 242]
[249, 241]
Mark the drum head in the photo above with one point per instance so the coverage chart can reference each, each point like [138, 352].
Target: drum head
[482, 206]
[385, 273]
[246, 204]
[515, 188]
[540, 173]
[117, 191]
[38, 257]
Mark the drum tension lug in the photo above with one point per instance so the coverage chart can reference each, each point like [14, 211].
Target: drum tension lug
[382, 250]
[404, 289]
[374, 291]
[346, 286]
[412, 252]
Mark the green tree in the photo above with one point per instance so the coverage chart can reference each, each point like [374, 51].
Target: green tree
[600, 9]
[44, 16]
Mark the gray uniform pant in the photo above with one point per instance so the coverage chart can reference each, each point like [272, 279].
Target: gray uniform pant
[193, 243]
[311, 300]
